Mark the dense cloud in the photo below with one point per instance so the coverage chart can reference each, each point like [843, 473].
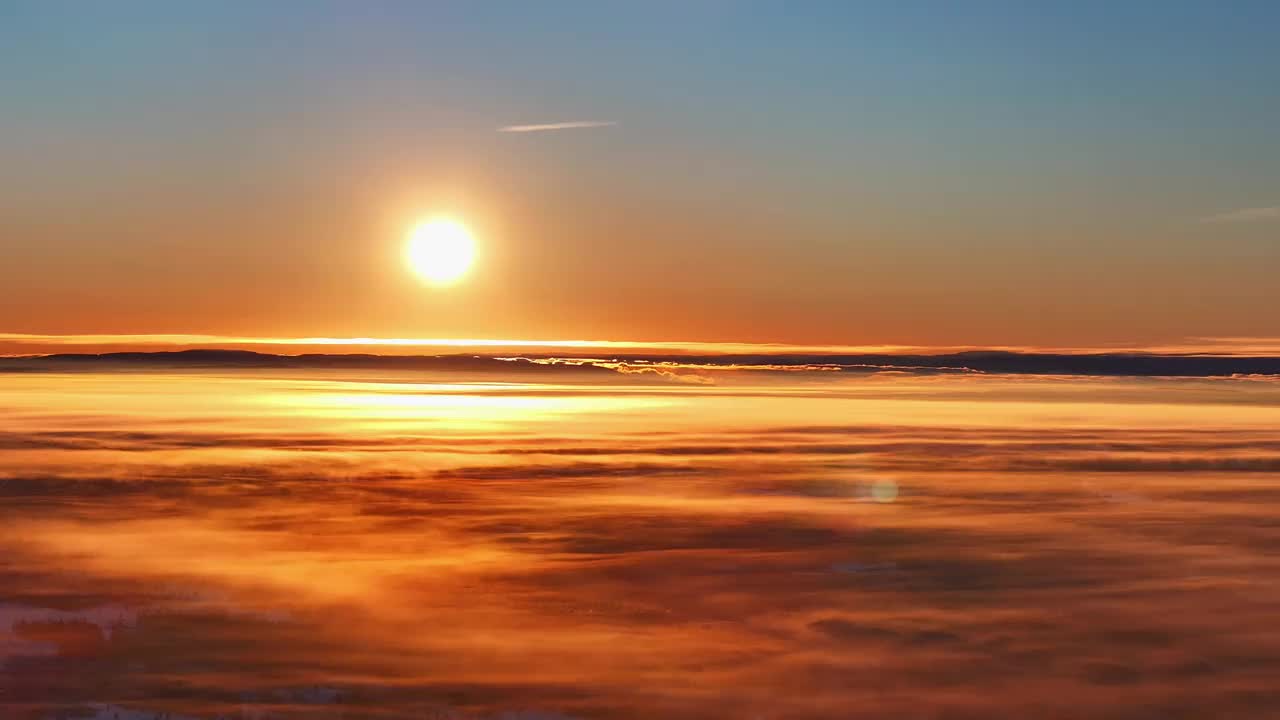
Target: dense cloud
[234, 547]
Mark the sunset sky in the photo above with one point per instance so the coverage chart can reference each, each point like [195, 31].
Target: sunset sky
[602, 360]
[982, 173]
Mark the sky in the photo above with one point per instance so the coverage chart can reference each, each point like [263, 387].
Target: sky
[916, 173]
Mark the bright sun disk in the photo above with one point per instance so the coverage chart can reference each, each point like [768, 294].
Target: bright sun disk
[440, 250]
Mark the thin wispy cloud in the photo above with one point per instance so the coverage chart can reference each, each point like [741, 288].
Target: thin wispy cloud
[1257, 214]
[568, 125]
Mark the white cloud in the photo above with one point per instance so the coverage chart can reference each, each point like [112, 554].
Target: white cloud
[1245, 215]
[568, 125]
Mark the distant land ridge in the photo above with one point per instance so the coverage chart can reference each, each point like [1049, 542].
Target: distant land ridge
[994, 362]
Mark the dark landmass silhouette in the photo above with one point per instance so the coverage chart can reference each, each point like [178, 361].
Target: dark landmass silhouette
[215, 359]
[980, 362]
[1017, 363]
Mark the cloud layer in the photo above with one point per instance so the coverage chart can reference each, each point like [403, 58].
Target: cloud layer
[325, 544]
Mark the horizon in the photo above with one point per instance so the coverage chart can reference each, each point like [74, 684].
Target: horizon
[21, 344]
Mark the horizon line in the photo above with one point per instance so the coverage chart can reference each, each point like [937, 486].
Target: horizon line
[1191, 346]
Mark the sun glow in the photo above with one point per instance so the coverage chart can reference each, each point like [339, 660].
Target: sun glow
[440, 250]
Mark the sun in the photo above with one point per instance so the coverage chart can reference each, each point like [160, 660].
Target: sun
[440, 250]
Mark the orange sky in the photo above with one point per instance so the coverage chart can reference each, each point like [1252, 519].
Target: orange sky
[37, 344]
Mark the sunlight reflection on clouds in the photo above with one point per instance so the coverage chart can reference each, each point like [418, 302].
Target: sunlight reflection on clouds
[473, 549]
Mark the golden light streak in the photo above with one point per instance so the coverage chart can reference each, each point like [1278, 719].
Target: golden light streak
[159, 341]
